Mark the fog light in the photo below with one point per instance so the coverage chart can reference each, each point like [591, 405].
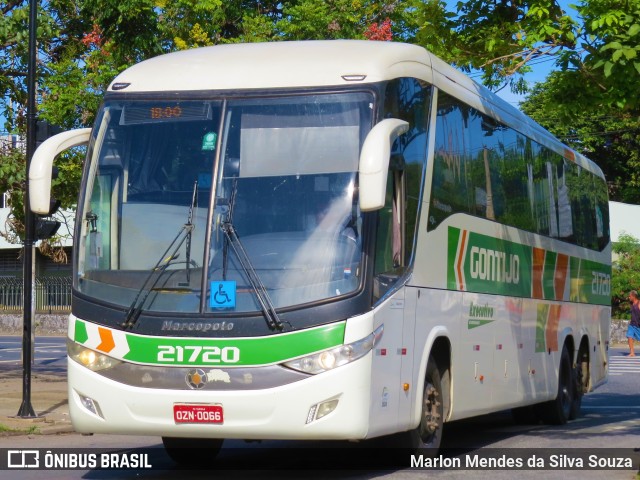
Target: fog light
[320, 410]
[326, 408]
[91, 405]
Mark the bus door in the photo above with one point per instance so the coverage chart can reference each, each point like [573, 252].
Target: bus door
[386, 393]
[393, 357]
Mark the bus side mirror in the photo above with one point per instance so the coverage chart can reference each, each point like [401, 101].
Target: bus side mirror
[40, 170]
[374, 162]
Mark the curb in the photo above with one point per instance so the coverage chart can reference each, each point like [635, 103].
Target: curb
[57, 429]
[34, 426]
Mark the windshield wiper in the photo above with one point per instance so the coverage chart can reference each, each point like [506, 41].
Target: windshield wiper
[270, 314]
[194, 202]
[161, 266]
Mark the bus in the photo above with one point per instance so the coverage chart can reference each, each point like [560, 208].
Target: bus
[329, 240]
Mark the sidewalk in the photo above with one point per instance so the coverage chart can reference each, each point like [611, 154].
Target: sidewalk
[48, 399]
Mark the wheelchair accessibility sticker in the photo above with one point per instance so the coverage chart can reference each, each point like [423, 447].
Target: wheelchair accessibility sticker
[223, 294]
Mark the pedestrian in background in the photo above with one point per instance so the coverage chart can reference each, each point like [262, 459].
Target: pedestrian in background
[633, 332]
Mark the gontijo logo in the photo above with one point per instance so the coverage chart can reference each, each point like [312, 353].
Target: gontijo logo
[494, 265]
[479, 263]
[483, 264]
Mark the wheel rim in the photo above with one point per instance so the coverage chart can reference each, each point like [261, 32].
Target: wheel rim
[431, 415]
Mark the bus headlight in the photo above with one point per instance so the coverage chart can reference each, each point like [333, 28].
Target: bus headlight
[337, 356]
[90, 358]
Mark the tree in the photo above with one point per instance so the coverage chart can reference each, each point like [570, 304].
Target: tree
[590, 102]
[83, 45]
[607, 135]
[501, 39]
[599, 44]
[603, 72]
[625, 272]
[608, 54]
[59, 27]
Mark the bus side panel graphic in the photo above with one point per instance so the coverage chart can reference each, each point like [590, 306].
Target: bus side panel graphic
[484, 264]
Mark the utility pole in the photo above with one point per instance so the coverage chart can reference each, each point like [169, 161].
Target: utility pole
[26, 409]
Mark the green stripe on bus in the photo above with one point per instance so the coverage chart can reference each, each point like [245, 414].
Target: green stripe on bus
[454, 238]
[541, 326]
[233, 351]
[80, 332]
[548, 275]
[591, 282]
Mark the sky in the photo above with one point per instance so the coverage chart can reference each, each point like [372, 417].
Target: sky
[539, 74]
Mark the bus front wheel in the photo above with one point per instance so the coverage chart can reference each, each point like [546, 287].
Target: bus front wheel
[192, 451]
[428, 433]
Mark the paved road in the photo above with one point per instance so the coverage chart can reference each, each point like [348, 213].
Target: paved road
[50, 354]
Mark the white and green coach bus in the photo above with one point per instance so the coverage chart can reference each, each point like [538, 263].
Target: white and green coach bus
[326, 240]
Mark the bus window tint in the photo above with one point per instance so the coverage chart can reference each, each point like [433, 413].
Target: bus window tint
[406, 99]
[488, 170]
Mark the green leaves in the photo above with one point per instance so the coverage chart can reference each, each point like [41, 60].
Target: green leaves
[598, 38]
[611, 40]
[625, 272]
[581, 115]
[500, 38]
[633, 30]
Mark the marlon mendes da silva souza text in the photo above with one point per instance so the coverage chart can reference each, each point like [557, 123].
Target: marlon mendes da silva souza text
[560, 461]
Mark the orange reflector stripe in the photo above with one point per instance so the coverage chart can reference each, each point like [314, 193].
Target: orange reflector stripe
[107, 343]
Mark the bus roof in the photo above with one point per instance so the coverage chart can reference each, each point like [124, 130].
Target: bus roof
[323, 63]
[276, 65]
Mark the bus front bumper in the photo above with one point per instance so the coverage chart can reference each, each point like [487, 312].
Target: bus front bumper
[100, 405]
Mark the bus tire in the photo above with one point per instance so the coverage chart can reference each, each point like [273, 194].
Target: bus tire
[558, 411]
[580, 379]
[192, 451]
[428, 434]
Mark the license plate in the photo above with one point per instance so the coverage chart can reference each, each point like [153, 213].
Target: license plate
[184, 413]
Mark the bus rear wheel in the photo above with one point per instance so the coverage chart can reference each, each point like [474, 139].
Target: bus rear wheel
[559, 411]
[192, 451]
[580, 382]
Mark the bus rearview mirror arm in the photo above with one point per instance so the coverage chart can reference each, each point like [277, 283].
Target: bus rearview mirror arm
[374, 162]
[42, 163]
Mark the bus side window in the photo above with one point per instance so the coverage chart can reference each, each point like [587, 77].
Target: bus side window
[407, 99]
[101, 224]
[389, 264]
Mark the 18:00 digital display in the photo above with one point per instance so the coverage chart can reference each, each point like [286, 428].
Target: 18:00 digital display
[165, 112]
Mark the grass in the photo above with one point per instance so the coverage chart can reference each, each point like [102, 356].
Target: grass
[31, 430]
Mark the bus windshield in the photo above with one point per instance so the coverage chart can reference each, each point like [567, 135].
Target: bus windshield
[168, 180]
